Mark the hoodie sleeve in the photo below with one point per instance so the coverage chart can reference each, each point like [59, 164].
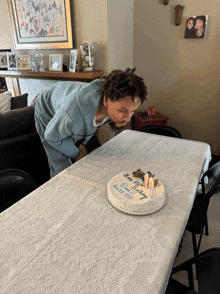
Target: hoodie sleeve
[59, 134]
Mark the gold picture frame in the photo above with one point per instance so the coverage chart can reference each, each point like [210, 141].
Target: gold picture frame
[41, 24]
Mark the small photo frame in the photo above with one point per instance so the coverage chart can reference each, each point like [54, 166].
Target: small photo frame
[3, 59]
[11, 60]
[23, 62]
[196, 27]
[56, 62]
[73, 59]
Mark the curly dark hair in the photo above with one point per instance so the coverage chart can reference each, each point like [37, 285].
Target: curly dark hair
[120, 84]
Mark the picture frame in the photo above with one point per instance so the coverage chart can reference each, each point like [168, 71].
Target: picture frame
[42, 24]
[56, 62]
[3, 59]
[73, 60]
[23, 62]
[196, 27]
[11, 61]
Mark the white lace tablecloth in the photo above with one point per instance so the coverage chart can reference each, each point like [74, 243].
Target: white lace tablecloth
[66, 238]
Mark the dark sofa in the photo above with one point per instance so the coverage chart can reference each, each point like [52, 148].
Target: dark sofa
[20, 145]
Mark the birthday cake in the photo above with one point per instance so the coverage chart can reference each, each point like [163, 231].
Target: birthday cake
[136, 192]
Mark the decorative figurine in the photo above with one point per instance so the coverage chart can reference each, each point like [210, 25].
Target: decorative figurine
[41, 62]
[37, 61]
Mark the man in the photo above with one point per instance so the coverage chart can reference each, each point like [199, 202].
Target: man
[68, 114]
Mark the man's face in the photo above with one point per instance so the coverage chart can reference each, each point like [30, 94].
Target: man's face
[199, 24]
[120, 112]
[190, 24]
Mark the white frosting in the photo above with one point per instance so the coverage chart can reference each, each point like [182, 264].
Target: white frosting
[128, 194]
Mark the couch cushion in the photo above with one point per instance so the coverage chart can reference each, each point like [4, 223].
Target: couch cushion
[5, 102]
[17, 122]
[19, 101]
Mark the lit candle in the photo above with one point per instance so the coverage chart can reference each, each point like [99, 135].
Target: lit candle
[151, 186]
[146, 178]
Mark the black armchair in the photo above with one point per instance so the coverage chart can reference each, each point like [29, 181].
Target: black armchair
[20, 145]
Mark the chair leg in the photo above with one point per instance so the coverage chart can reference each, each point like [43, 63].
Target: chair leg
[200, 239]
[206, 227]
[194, 243]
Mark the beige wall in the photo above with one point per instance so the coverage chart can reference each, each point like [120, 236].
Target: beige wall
[182, 75]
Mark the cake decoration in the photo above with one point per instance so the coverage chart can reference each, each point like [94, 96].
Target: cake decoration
[136, 192]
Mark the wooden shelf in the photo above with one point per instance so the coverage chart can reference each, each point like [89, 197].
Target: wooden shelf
[52, 75]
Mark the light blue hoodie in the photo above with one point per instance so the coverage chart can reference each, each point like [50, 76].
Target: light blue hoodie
[64, 114]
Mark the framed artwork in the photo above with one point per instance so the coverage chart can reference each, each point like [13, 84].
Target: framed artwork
[73, 59]
[23, 62]
[56, 62]
[11, 60]
[3, 58]
[196, 27]
[42, 24]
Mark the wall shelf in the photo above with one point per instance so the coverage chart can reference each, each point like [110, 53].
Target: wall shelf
[12, 77]
[55, 75]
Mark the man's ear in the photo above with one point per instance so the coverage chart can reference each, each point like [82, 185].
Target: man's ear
[105, 101]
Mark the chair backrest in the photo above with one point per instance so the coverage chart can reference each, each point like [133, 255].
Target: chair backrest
[161, 130]
[207, 270]
[213, 174]
[14, 185]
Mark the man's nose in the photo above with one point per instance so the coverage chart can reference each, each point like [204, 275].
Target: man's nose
[127, 117]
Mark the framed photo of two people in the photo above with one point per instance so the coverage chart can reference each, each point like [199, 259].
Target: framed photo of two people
[196, 26]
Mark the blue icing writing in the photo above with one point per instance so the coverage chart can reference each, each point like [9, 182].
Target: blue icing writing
[128, 192]
[127, 176]
[124, 185]
[119, 190]
[140, 192]
[128, 196]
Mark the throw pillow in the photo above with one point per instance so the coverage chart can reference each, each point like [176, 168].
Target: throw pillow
[19, 101]
[5, 102]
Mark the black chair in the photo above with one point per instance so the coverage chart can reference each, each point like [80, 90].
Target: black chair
[198, 216]
[208, 273]
[14, 185]
[161, 130]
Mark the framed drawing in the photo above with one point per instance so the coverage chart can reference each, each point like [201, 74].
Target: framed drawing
[11, 61]
[196, 27]
[73, 59]
[3, 59]
[42, 24]
[56, 62]
[23, 62]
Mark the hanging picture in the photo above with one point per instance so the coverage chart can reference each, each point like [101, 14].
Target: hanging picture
[196, 26]
[42, 24]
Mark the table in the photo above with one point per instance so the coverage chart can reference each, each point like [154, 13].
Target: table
[140, 121]
[65, 237]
